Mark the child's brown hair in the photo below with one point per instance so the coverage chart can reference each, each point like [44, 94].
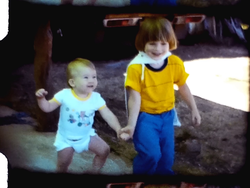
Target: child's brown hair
[155, 29]
[73, 65]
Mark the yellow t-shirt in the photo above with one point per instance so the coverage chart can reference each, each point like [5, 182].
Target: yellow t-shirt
[157, 88]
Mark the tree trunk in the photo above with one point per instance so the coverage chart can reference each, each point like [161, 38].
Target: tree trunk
[42, 62]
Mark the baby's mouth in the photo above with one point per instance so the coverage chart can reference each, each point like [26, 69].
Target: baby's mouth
[90, 86]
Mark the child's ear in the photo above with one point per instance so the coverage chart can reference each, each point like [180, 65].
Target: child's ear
[71, 82]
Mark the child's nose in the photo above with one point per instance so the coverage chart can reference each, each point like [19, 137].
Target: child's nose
[158, 47]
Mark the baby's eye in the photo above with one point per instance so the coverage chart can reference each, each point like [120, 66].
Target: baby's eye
[85, 77]
[94, 77]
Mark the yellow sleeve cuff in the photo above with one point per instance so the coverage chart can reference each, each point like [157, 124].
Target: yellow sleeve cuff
[54, 99]
[102, 107]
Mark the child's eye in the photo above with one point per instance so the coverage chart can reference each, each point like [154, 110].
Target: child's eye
[163, 43]
[94, 77]
[85, 77]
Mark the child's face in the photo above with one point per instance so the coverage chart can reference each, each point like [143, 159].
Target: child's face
[156, 49]
[84, 81]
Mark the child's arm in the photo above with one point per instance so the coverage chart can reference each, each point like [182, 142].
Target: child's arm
[189, 99]
[111, 119]
[46, 106]
[134, 104]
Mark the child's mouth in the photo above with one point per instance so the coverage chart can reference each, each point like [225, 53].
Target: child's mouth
[90, 86]
[156, 54]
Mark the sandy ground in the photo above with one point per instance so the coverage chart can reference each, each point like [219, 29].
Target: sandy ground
[28, 149]
[39, 154]
[230, 82]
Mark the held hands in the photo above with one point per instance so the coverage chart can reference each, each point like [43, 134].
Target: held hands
[126, 133]
[41, 93]
[124, 136]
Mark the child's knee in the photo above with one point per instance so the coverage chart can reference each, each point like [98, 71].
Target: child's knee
[106, 150]
[103, 150]
[153, 157]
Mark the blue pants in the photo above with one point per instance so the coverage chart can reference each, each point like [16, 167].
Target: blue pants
[154, 141]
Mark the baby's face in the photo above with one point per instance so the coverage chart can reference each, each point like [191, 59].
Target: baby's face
[85, 80]
[156, 49]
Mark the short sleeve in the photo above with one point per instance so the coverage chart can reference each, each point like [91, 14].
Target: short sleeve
[180, 74]
[100, 102]
[133, 78]
[59, 96]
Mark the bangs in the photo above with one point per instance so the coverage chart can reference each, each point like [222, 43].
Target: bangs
[155, 29]
[157, 34]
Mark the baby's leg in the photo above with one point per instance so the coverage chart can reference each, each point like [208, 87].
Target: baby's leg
[64, 158]
[101, 150]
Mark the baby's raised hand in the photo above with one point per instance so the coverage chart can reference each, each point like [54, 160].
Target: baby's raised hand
[41, 93]
[124, 136]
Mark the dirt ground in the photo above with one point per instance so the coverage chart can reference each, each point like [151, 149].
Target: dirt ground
[218, 80]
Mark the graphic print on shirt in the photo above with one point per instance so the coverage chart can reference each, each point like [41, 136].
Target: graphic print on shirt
[71, 119]
[82, 119]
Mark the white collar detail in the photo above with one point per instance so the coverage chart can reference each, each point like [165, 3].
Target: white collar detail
[143, 58]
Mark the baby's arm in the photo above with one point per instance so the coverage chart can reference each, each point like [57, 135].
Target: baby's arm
[111, 119]
[189, 99]
[45, 106]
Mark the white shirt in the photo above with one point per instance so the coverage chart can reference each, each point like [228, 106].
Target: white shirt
[77, 114]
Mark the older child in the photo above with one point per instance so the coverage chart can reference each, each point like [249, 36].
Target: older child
[77, 109]
[150, 78]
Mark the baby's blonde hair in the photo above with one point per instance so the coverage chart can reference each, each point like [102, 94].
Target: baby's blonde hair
[155, 29]
[75, 64]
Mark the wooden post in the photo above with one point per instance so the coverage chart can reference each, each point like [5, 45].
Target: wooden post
[42, 62]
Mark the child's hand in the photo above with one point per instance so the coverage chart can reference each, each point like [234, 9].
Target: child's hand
[196, 118]
[41, 93]
[125, 136]
[128, 130]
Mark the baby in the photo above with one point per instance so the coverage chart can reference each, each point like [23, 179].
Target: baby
[77, 109]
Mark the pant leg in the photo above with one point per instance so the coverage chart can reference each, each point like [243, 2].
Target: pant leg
[167, 145]
[146, 142]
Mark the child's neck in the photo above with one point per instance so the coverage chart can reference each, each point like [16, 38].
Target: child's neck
[81, 95]
[157, 65]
